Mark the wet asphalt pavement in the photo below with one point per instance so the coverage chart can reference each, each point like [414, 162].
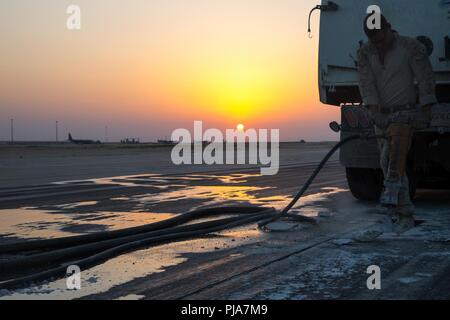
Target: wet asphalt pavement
[308, 262]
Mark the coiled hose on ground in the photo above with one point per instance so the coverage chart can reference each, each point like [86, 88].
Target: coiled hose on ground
[47, 259]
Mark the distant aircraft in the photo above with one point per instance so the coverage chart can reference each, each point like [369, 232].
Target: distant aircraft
[161, 141]
[76, 141]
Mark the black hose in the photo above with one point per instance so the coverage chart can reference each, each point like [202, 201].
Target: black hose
[82, 250]
[95, 259]
[309, 18]
[93, 249]
[99, 236]
[307, 184]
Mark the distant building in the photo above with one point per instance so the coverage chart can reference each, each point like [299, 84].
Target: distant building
[130, 141]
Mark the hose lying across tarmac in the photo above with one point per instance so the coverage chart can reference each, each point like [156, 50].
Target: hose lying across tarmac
[49, 259]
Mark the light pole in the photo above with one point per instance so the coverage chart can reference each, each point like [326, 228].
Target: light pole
[56, 128]
[12, 130]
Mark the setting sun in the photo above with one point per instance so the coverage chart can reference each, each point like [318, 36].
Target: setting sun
[240, 127]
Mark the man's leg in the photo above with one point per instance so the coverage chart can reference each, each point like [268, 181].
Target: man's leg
[383, 147]
[405, 208]
[405, 204]
[399, 137]
[393, 155]
[384, 224]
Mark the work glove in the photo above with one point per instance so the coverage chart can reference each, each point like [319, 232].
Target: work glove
[376, 117]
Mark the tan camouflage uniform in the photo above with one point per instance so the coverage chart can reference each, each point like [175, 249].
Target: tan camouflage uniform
[392, 84]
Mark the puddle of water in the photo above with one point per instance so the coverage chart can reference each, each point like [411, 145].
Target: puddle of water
[77, 205]
[221, 194]
[237, 178]
[218, 193]
[101, 278]
[125, 181]
[138, 264]
[157, 180]
[215, 195]
[26, 223]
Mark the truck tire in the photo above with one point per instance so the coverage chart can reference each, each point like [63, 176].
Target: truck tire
[365, 183]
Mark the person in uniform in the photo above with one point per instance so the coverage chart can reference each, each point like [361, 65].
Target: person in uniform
[389, 65]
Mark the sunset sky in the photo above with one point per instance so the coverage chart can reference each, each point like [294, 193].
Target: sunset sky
[146, 67]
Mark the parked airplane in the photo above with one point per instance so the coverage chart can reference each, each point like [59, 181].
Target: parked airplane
[76, 141]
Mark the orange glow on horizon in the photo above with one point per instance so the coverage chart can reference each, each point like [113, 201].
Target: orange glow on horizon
[163, 64]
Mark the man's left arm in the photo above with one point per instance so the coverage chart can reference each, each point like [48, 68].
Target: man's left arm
[423, 72]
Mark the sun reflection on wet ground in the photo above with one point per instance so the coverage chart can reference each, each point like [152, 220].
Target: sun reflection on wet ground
[189, 192]
[41, 223]
[35, 223]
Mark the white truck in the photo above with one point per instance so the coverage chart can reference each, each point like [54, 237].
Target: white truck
[341, 35]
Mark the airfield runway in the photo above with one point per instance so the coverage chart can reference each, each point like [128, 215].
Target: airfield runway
[310, 261]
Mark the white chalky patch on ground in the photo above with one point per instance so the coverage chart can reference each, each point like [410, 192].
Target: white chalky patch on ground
[317, 278]
[131, 297]
[409, 280]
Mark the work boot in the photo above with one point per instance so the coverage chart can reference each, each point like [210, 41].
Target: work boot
[390, 217]
[405, 223]
[385, 224]
[394, 216]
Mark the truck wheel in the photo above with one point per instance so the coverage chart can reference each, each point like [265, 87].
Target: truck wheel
[365, 183]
